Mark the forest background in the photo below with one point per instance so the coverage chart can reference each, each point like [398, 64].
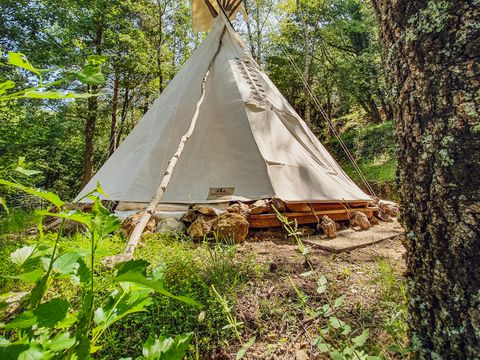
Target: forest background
[334, 43]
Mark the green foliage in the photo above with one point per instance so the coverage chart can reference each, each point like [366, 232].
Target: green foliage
[335, 337]
[91, 74]
[68, 328]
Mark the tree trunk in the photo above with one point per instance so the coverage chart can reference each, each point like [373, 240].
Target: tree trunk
[113, 126]
[306, 67]
[89, 133]
[432, 56]
[92, 113]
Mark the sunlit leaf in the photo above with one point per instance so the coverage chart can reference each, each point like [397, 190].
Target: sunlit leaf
[35, 352]
[166, 348]
[361, 339]
[133, 265]
[20, 60]
[27, 172]
[78, 216]
[67, 263]
[24, 320]
[22, 254]
[140, 279]
[339, 301]
[61, 342]
[241, 353]
[11, 351]
[29, 277]
[50, 197]
[3, 204]
[336, 323]
[52, 94]
[6, 85]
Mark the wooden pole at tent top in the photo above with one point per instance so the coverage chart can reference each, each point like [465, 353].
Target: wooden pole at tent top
[150, 210]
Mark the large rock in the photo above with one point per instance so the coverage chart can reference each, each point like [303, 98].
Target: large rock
[201, 227]
[389, 207]
[238, 208]
[259, 207]
[329, 227]
[232, 227]
[170, 226]
[361, 220]
[130, 222]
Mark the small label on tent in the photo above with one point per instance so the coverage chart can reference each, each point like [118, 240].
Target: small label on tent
[220, 193]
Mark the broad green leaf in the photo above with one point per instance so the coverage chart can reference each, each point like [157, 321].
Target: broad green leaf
[96, 60]
[339, 301]
[346, 329]
[20, 60]
[22, 254]
[335, 355]
[241, 353]
[51, 312]
[27, 172]
[29, 277]
[52, 94]
[35, 352]
[321, 289]
[166, 348]
[361, 339]
[336, 323]
[67, 263]
[133, 265]
[78, 216]
[50, 197]
[6, 85]
[307, 274]
[322, 280]
[140, 279]
[61, 342]
[24, 320]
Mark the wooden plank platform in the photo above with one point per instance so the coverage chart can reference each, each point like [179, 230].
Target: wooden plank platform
[271, 220]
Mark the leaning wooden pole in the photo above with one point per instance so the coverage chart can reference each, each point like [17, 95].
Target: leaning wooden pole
[150, 209]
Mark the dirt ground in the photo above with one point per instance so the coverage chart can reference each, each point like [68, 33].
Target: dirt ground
[270, 308]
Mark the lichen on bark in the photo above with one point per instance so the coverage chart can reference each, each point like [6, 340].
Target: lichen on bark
[432, 56]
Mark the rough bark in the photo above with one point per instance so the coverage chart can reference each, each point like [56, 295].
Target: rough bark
[432, 51]
[89, 133]
[113, 125]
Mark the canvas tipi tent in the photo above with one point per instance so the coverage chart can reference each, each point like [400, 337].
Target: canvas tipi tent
[221, 132]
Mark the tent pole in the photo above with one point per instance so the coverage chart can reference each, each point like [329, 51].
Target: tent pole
[150, 210]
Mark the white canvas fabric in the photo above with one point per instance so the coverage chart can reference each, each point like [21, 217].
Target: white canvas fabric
[247, 137]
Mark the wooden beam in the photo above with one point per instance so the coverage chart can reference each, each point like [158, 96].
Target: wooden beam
[234, 7]
[302, 218]
[212, 9]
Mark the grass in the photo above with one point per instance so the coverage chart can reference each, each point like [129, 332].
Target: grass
[16, 221]
[373, 147]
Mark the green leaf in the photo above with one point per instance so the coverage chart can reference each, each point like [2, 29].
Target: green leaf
[361, 339]
[21, 255]
[336, 323]
[20, 60]
[322, 280]
[24, 320]
[11, 351]
[166, 348]
[51, 312]
[3, 204]
[61, 342]
[52, 94]
[67, 263]
[241, 353]
[321, 289]
[6, 85]
[27, 172]
[140, 279]
[50, 197]
[29, 277]
[33, 353]
[133, 265]
[339, 301]
[346, 329]
[77, 215]
[335, 355]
